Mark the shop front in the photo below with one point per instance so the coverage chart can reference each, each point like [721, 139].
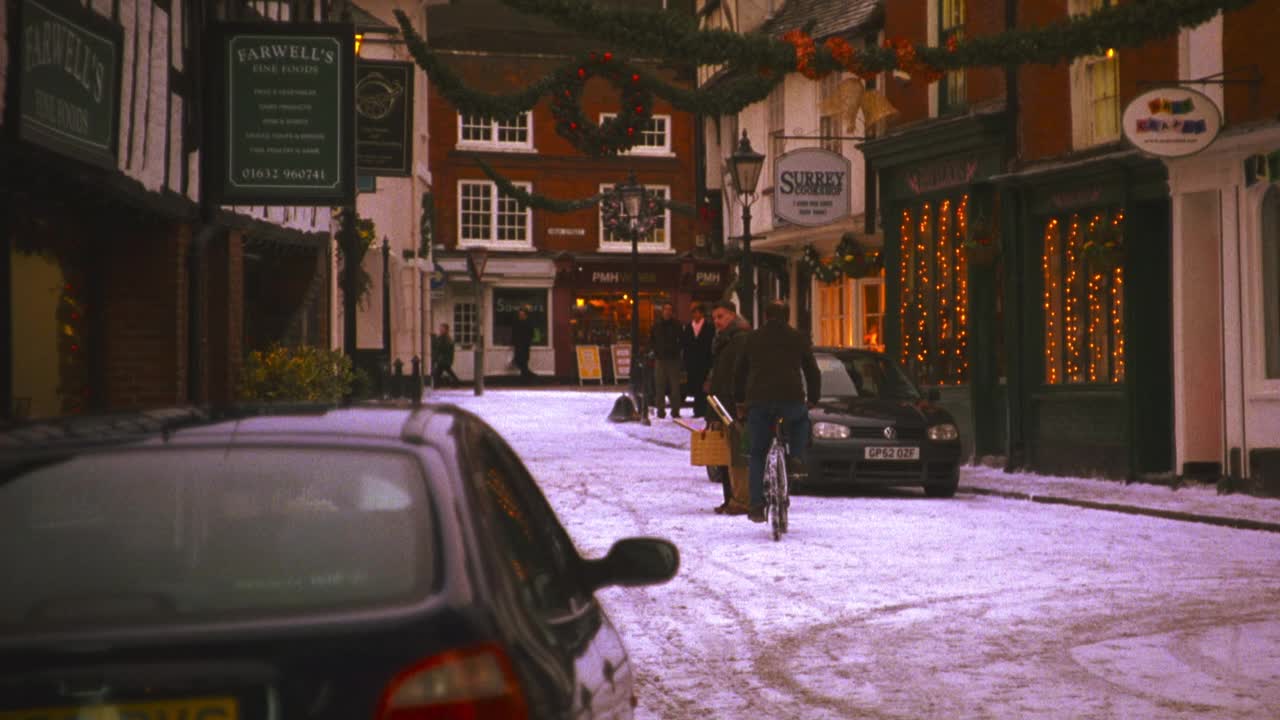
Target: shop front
[593, 301]
[1090, 368]
[1226, 308]
[942, 314]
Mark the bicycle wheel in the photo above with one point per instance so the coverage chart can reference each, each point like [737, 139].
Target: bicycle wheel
[784, 496]
[775, 473]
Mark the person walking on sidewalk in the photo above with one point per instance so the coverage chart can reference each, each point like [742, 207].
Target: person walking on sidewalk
[442, 351]
[521, 341]
[775, 372]
[731, 336]
[696, 341]
[665, 343]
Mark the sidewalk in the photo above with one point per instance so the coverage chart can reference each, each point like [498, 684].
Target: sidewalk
[1188, 502]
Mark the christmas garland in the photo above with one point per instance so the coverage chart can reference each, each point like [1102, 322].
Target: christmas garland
[1103, 248]
[851, 260]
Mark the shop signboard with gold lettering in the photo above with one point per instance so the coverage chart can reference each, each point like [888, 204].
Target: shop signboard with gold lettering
[69, 65]
[284, 131]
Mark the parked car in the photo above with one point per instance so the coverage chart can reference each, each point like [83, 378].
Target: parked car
[873, 427]
[352, 563]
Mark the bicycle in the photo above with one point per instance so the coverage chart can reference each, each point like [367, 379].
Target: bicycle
[777, 492]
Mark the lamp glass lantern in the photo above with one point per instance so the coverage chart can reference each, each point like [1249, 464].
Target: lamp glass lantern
[745, 165]
[631, 202]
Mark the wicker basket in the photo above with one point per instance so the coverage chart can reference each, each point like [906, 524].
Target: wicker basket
[709, 447]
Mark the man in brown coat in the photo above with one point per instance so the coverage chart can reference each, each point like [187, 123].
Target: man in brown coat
[775, 375]
[731, 335]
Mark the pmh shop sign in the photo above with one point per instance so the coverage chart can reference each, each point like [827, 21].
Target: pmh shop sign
[69, 77]
[811, 187]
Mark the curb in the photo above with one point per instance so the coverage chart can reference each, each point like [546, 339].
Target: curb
[1236, 523]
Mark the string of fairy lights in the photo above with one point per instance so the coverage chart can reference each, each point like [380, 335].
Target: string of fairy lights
[1083, 301]
[933, 304]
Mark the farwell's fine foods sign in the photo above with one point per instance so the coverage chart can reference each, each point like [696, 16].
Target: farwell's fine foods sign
[1172, 121]
[811, 187]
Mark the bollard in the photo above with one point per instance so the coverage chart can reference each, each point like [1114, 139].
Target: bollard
[397, 378]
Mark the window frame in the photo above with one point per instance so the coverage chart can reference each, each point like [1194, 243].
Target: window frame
[466, 330]
[495, 128]
[1084, 96]
[495, 216]
[953, 85]
[642, 246]
[1266, 379]
[663, 150]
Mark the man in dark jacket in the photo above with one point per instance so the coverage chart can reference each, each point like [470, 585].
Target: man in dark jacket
[696, 344]
[731, 336]
[521, 341]
[442, 351]
[774, 374]
[665, 342]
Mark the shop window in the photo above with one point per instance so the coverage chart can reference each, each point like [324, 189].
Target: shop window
[605, 318]
[871, 313]
[487, 217]
[1083, 302]
[656, 240]
[833, 314]
[951, 88]
[466, 325]
[507, 303]
[655, 138]
[507, 134]
[1271, 279]
[934, 301]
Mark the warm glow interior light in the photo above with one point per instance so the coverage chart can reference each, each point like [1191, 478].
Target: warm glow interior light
[359, 42]
[580, 302]
[1111, 52]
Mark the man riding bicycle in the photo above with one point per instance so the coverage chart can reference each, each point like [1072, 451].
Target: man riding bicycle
[774, 373]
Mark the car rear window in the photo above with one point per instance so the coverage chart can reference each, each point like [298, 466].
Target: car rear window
[162, 535]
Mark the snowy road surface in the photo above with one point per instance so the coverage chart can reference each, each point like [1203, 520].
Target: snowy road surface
[895, 606]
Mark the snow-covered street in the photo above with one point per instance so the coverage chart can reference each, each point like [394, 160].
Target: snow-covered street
[891, 605]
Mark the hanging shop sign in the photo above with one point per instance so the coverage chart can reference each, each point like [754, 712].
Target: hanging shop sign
[384, 117]
[69, 64]
[285, 132]
[1171, 121]
[811, 187]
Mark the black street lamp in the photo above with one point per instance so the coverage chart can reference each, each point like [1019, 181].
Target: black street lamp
[631, 208]
[745, 165]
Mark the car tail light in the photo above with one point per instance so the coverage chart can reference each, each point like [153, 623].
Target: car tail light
[463, 684]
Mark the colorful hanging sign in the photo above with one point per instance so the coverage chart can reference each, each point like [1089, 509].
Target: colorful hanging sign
[811, 187]
[1171, 121]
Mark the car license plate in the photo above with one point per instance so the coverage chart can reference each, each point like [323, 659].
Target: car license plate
[194, 709]
[892, 452]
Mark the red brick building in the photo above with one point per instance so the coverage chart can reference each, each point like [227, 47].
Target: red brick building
[573, 276]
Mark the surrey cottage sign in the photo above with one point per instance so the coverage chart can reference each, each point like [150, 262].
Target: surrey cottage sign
[811, 187]
[69, 77]
[284, 135]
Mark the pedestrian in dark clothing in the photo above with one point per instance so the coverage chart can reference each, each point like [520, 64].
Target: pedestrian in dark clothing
[442, 358]
[665, 343]
[731, 337]
[696, 344]
[521, 341]
[775, 375]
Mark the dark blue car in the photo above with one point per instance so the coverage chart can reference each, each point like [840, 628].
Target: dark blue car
[347, 564]
[874, 428]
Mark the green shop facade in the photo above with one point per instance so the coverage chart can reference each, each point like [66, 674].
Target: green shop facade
[1037, 303]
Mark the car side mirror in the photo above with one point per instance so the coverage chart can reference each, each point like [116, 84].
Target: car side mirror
[632, 562]
[934, 395]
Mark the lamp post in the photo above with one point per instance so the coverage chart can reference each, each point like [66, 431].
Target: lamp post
[630, 199]
[745, 165]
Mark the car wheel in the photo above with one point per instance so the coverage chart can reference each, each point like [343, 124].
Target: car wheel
[943, 490]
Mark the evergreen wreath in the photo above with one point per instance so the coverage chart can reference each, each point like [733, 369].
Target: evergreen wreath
[651, 215]
[851, 260]
[615, 134]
